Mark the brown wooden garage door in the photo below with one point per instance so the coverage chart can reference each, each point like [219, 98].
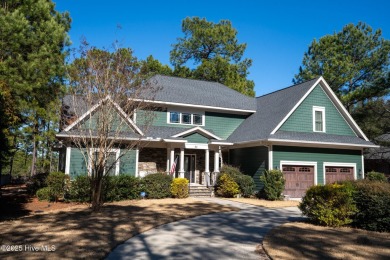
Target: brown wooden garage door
[298, 179]
[337, 174]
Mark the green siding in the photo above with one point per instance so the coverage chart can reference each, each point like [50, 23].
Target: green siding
[197, 138]
[117, 122]
[77, 163]
[319, 155]
[128, 162]
[252, 161]
[221, 124]
[302, 118]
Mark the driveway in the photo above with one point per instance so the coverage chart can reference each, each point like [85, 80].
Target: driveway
[229, 235]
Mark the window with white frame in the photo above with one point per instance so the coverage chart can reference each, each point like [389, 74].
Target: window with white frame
[112, 161]
[185, 118]
[319, 119]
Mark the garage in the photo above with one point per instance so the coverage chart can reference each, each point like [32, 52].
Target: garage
[298, 179]
[337, 174]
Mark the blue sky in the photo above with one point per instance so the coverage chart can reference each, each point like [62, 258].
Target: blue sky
[277, 33]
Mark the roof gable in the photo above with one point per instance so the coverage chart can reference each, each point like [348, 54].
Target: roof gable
[88, 116]
[198, 130]
[301, 120]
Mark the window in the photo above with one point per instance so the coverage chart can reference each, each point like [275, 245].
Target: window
[186, 118]
[197, 119]
[174, 117]
[112, 164]
[319, 119]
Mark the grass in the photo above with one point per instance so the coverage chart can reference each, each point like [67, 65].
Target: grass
[306, 241]
[77, 232]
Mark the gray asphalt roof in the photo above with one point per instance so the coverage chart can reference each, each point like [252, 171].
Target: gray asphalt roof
[319, 137]
[199, 92]
[271, 109]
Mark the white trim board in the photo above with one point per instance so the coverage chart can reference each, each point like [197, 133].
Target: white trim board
[337, 164]
[303, 163]
[281, 141]
[67, 160]
[197, 129]
[117, 160]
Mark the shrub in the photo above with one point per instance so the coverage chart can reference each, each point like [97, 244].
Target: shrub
[157, 185]
[246, 183]
[329, 205]
[45, 194]
[80, 189]
[122, 187]
[376, 176]
[179, 188]
[373, 204]
[56, 182]
[273, 182]
[36, 182]
[226, 186]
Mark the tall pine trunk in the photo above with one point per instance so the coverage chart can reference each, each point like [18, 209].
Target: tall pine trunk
[34, 154]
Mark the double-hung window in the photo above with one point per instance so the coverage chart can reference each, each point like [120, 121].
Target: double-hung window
[319, 119]
[112, 161]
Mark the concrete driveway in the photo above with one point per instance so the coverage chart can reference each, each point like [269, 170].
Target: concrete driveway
[229, 235]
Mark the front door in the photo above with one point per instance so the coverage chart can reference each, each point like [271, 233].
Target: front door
[189, 167]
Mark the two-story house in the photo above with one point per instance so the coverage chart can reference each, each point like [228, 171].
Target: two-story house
[304, 130]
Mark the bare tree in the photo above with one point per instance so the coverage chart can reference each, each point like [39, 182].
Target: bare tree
[105, 91]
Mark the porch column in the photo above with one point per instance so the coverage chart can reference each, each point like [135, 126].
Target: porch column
[181, 171]
[206, 167]
[216, 161]
[172, 152]
[168, 155]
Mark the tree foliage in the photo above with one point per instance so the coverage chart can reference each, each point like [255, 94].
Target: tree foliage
[215, 49]
[355, 62]
[32, 43]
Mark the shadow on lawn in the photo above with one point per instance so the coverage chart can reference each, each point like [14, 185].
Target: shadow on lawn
[80, 233]
[13, 201]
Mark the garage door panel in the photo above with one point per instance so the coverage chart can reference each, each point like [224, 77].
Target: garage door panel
[338, 174]
[298, 179]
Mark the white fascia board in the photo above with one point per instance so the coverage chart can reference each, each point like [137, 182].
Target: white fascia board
[221, 143]
[322, 143]
[296, 106]
[197, 129]
[167, 140]
[196, 106]
[342, 108]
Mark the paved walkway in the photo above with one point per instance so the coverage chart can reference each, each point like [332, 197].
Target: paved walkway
[228, 235]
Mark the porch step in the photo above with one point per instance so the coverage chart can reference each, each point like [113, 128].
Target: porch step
[200, 191]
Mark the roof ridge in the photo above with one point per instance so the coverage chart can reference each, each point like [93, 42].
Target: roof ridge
[314, 79]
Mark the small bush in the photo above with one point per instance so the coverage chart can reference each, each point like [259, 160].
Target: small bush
[273, 182]
[45, 194]
[179, 188]
[245, 182]
[56, 182]
[157, 185]
[373, 204]
[376, 176]
[80, 189]
[226, 186]
[329, 205]
[122, 187]
[36, 182]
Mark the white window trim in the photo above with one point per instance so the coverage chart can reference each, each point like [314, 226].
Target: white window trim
[117, 163]
[180, 115]
[303, 163]
[67, 160]
[335, 164]
[322, 110]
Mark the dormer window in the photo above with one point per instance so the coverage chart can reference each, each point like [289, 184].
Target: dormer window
[319, 119]
[185, 118]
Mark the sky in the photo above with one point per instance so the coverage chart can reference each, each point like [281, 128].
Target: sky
[277, 33]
